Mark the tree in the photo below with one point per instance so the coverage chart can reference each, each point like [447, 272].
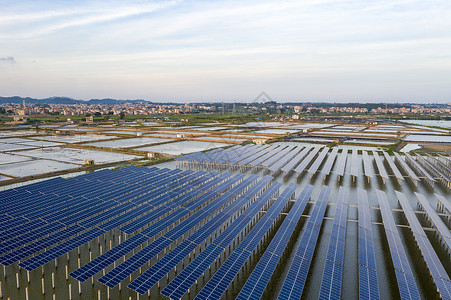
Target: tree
[98, 114]
[122, 115]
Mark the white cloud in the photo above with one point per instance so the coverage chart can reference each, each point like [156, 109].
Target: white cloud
[239, 44]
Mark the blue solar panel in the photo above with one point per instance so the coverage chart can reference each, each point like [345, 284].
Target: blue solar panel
[118, 274]
[122, 271]
[439, 275]
[101, 262]
[63, 248]
[368, 286]
[40, 245]
[19, 230]
[29, 237]
[150, 277]
[333, 269]
[297, 274]
[235, 261]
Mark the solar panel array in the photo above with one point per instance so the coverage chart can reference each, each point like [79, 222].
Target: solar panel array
[297, 274]
[436, 269]
[436, 221]
[406, 282]
[261, 275]
[406, 168]
[368, 285]
[333, 270]
[393, 167]
[282, 161]
[419, 168]
[54, 211]
[231, 267]
[157, 271]
[217, 213]
[168, 215]
[101, 262]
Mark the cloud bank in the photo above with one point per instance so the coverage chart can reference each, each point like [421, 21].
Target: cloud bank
[344, 50]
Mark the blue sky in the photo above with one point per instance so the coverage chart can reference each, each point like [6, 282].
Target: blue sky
[321, 50]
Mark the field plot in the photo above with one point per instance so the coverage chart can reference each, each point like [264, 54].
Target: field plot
[79, 138]
[34, 167]
[78, 156]
[178, 148]
[129, 143]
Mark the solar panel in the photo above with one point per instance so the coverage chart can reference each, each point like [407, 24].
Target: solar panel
[187, 277]
[123, 270]
[393, 167]
[436, 221]
[329, 162]
[355, 162]
[406, 168]
[368, 285]
[406, 282]
[367, 165]
[297, 274]
[380, 166]
[315, 166]
[438, 273]
[332, 275]
[296, 160]
[157, 271]
[304, 164]
[341, 163]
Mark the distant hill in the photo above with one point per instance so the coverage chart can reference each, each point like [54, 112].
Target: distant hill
[66, 100]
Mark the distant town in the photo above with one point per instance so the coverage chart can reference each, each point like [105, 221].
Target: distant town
[21, 109]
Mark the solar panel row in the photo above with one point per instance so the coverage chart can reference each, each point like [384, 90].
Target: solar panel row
[156, 272]
[436, 221]
[306, 161]
[294, 283]
[31, 231]
[368, 285]
[437, 271]
[341, 164]
[296, 160]
[355, 163]
[333, 270]
[329, 162]
[380, 166]
[203, 231]
[233, 264]
[367, 165]
[282, 161]
[317, 163]
[406, 282]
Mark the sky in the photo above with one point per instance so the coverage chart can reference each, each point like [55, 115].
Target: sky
[302, 50]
